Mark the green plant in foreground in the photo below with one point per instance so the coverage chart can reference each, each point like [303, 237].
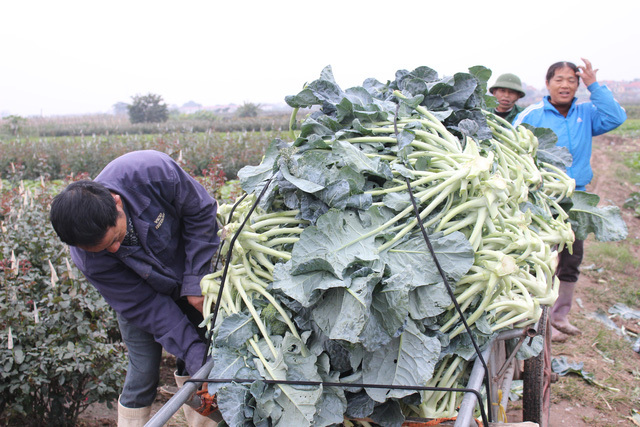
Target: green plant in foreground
[59, 341]
[331, 279]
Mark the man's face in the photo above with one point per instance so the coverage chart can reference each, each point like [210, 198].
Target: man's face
[563, 86]
[114, 235]
[506, 98]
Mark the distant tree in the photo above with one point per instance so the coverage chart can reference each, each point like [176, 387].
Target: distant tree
[120, 108]
[14, 124]
[192, 104]
[149, 108]
[204, 115]
[248, 109]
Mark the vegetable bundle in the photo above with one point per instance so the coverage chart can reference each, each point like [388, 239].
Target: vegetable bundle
[330, 278]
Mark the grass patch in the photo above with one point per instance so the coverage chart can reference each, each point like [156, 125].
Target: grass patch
[631, 127]
[612, 290]
[614, 256]
[632, 161]
[610, 346]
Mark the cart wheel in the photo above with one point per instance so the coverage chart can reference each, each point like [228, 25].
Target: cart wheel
[536, 393]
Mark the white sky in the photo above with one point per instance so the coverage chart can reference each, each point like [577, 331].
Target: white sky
[74, 57]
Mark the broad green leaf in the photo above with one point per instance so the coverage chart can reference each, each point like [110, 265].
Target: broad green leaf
[548, 151]
[391, 304]
[530, 348]
[227, 362]
[586, 217]
[298, 402]
[338, 240]
[18, 355]
[251, 177]
[429, 301]
[352, 157]
[235, 330]
[306, 288]
[397, 201]
[408, 360]
[304, 99]
[311, 127]
[456, 92]
[562, 367]
[359, 96]
[303, 184]
[344, 313]
[388, 413]
[265, 406]
[231, 401]
[453, 252]
[360, 405]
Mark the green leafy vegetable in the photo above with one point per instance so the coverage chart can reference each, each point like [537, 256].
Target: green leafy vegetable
[563, 367]
[331, 277]
[586, 217]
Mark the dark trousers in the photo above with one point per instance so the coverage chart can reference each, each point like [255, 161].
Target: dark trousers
[145, 356]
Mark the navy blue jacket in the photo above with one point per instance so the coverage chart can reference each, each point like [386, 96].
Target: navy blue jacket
[175, 219]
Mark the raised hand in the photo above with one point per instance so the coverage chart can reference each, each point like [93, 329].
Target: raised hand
[587, 73]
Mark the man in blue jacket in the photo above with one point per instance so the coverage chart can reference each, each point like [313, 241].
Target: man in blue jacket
[574, 124]
[144, 233]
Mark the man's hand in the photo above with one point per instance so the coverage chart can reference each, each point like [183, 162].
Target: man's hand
[587, 73]
[196, 301]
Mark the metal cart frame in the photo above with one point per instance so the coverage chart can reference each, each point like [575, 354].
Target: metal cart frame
[503, 368]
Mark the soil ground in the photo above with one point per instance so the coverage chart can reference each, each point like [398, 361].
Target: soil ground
[606, 355]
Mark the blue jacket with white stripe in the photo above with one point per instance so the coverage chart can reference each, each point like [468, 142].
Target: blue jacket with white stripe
[585, 120]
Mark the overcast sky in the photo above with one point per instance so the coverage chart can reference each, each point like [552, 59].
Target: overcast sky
[75, 57]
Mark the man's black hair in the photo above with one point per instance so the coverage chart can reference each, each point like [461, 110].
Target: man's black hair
[83, 212]
[562, 64]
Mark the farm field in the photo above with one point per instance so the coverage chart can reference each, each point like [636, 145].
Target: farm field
[609, 275]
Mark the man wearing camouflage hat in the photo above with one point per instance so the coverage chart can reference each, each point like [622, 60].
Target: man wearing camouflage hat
[507, 90]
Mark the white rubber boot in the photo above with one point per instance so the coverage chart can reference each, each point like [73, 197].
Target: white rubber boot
[194, 419]
[133, 417]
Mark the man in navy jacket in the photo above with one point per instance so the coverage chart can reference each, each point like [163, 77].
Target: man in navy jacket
[144, 233]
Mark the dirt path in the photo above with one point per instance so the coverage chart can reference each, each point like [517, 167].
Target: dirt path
[574, 402]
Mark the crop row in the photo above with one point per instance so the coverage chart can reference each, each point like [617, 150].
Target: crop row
[108, 124]
[60, 157]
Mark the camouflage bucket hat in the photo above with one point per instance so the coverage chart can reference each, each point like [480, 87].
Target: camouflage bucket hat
[508, 81]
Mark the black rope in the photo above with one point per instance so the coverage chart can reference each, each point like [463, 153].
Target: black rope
[226, 266]
[478, 395]
[487, 382]
[229, 218]
[348, 385]
[332, 384]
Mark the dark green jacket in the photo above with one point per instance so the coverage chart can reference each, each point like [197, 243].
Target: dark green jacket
[512, 114]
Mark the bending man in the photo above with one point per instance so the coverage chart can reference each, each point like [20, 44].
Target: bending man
[144, 233]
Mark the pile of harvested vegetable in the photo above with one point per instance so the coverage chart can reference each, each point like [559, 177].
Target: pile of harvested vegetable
[328, 276]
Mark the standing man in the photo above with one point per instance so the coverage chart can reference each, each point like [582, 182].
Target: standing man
[507, 90]
[144, 233]
[574, 124]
